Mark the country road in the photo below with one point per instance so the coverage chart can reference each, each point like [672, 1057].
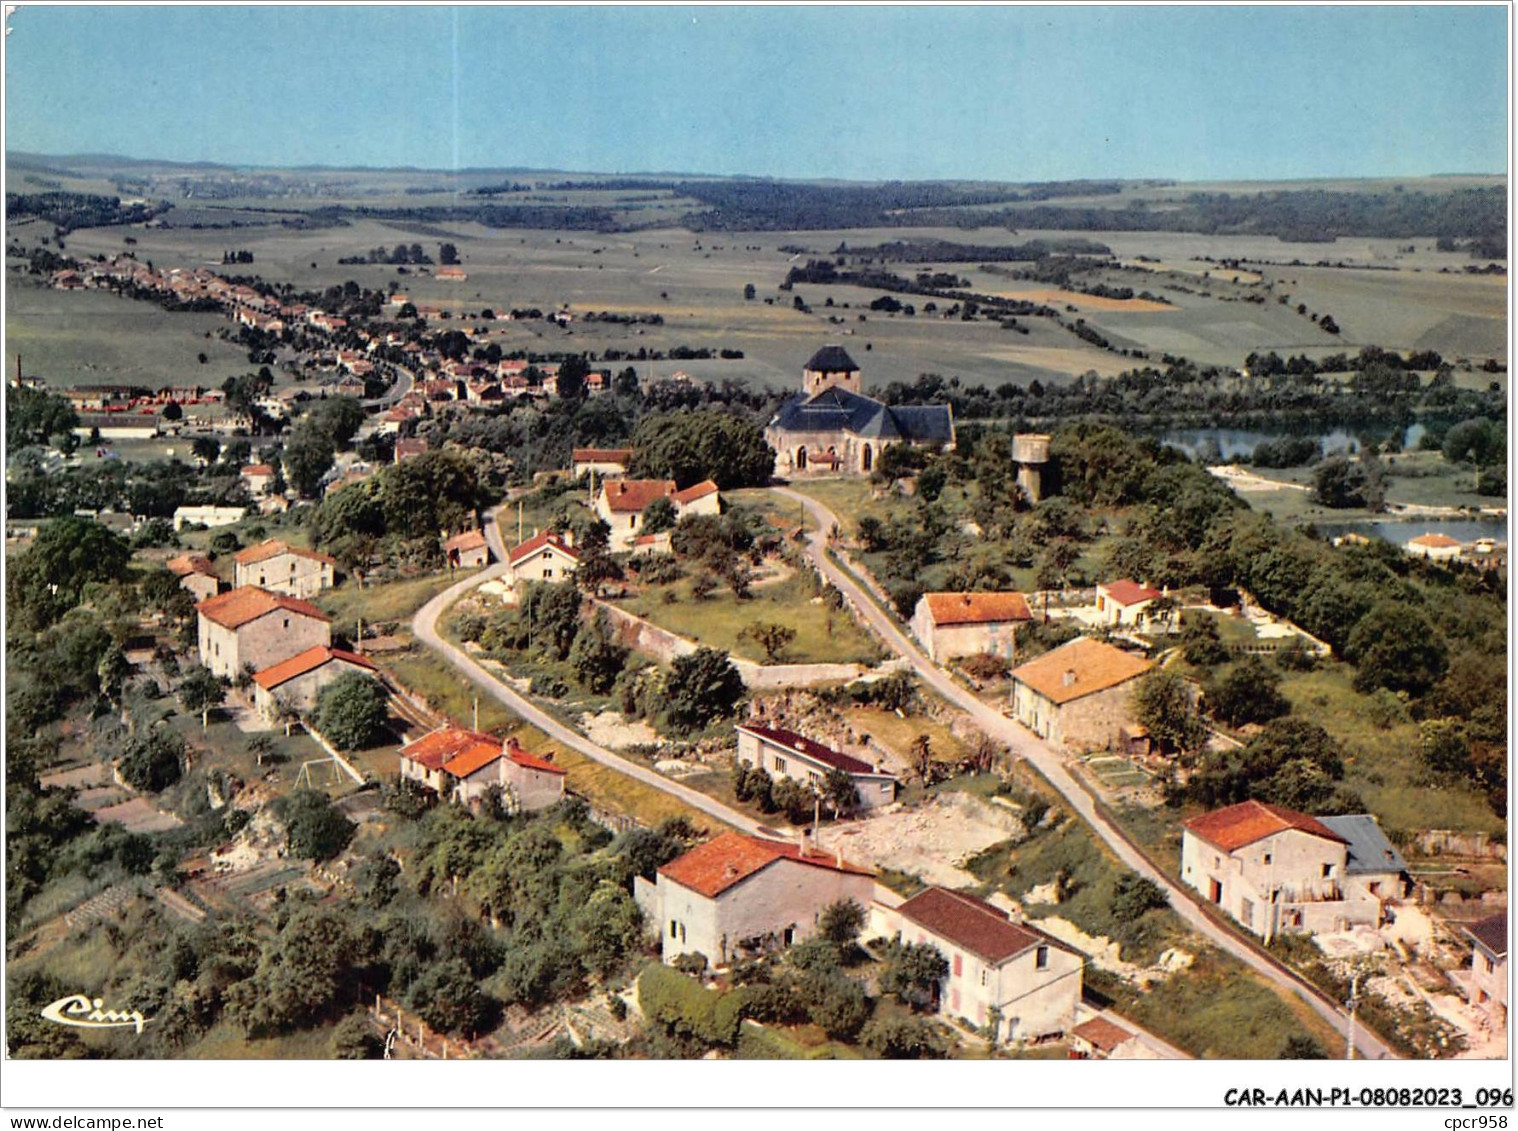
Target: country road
[424, 624]
[1038, 754]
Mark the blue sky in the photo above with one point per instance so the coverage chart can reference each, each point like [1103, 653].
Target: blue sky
[1030, 93]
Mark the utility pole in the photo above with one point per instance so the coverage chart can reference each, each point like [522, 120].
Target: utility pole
[520, 539]
[476, 713]
[1354, 1004]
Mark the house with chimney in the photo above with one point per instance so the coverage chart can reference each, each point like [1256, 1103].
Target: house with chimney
[546, 556]
[737, 896]
[621, 504]
[296, 683]
[196, 574]
[950, 625]
[786, 754]
[464, 765]
[255, 629]
[284, 568]
[1276, 870]
[605, 462]
[1079, 695]
[1006, 975]
[1124, 603]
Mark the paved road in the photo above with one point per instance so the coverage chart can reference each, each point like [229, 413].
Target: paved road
[1037, 753]
[425, 627]
[405, 380]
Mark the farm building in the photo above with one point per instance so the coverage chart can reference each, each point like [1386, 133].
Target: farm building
[208, 516]
[298, 681]
[1078, 695]
[196, 574]
[260, 479]
[467, 550]
[783, 753]
[1013, 975]
[833, 428]
[740, 895]
[1100, 1039]
[118, 426]
[254, 628]
[967, 624]
[1275, 870]
[284, 568]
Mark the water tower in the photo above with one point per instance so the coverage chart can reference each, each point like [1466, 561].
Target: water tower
[1030, 451]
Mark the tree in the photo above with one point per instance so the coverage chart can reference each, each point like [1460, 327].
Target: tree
[314, 828]
[1299, 1046]
[1339, 482]
[689, 447]
[1291, 762]
[152, 761]
[839, 793]
[205, 448]
[308, 457]
[659, 516]
[172, 411]
[450, 1000]
[571, 378]
[841, 923]
[596, 569]
[354, 1039]
[749, 292]
[352, 711]
[1443, 747]
[199, 692]
[702, 686]
[902, 1038]
[913, 972]
[1396, 646]
[772, 638]
[1201, 646]
[1250, 693]
[448, 255]
[337, 418]
[595, 657]
[49, 578]
[1134, 895]
[1163, 704]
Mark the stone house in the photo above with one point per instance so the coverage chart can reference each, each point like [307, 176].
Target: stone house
[1124, 603]
[254, 628]
[464, 765]
[949, 625]
[783, 753]
[1274, 870]
[1373, 868]
[196, 574]
[545, 556]
[1013, 975]
[467, 550]
[298, 681]
[1487, 986]
[739, 895]
[1078, 695]
[283, 568]
[832, 428]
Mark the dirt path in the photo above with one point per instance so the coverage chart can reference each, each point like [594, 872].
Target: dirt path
[1038, 754]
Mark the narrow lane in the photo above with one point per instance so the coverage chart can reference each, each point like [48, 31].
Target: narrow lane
[1043, 758]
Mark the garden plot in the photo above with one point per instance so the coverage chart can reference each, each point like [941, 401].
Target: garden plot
[1117, 773]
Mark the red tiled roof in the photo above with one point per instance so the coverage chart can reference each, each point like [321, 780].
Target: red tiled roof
[632, 496]
[248, 603]
[273, 548]
[531, 761]
[258, 469]
[807, 748]
[445, 744]
[472, 759]
[1434, 541]
[974, 925]
[601, 455]
[536, 543]
[710, 869]
[699, 491]
[976, 608]
[1102, 1034]
[1248, 821]
[1079, 668]
[307, 661]
[1128, 592]
[187, 564]
[468, 540]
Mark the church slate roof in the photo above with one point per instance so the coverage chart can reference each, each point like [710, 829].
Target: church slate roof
[838, 410]
[831, 359]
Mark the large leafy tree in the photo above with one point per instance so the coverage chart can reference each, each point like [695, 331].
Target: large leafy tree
[1250, 693]
[314, 828]
[351, 711]
[307, 457]
[596, 657]
[200, 692]
[48, 579]
[1396, 646]
[691, 446]
[1164, 704]
[702, 687]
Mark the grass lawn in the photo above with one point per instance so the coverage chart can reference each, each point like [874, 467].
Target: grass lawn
[387, 601]
[719, 621]
[1382, 765]
[229, 749]
[850, 499]
[897, 734]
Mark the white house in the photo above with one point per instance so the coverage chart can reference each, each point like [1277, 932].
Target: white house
[465, 765]
[967, 624]
[1012, 975]
[1124, 603]
[740, 895]
[621, 504]
[783, 753]
[196, 574]
[208, 516]
[545, 556]
[603, 461]
[1434, 547]
[1487, 986]
[259, 477]
[1276, 870]
[298, 681]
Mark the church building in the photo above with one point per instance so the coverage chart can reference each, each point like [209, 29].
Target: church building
[832, 428]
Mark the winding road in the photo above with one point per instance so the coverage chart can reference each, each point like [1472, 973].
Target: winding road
[1021, 742]
[1042, 757]
[424, 624]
